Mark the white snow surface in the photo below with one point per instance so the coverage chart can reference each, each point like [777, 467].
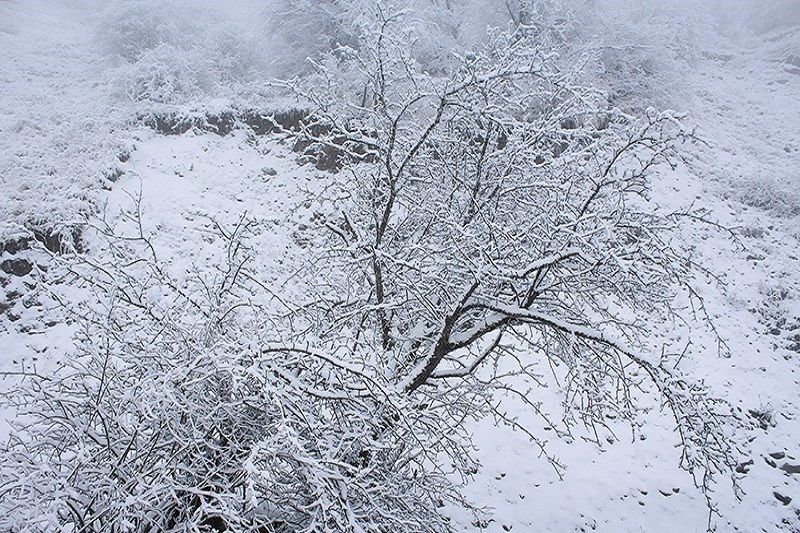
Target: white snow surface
[60, 132]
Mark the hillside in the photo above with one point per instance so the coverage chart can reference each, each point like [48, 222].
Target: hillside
[79, 160]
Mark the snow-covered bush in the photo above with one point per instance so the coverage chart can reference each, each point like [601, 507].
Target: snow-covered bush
[166, 74]
[131, 29]
[778, 197]
[176, 52]
[299, 30]
[186, 408]
[635, 51]
[492, 225]
[641, 49]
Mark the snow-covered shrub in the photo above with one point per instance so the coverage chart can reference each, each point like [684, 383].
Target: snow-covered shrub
[186, 407]
[166, 74]
[299, 30]
[302, 31]
[778, 197]
[641, 49]
[130, 29]
[176, 52]
[492, 226]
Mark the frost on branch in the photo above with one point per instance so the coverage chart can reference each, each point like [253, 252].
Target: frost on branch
[491, 219]
[496, 206]
[176, 413]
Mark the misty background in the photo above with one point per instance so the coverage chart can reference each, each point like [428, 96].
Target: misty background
[176, 51]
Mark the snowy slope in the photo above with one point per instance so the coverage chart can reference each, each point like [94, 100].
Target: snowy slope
[57, 143]
[57, 126]
[746, 172]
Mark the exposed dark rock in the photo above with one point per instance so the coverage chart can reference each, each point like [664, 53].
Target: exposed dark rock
[744, 468]
[16, 267]
[168, 124]
[785, 500]
[14, 246]
[260, 122]
[29, 302]
[329, 158]
[113, 174]
[335, 151]
[318, 143]
[174, 124]
[59, 242]
[764, 418]
[777, 455]
[790, 468]
[265, 122]
[221, 124]
[794, 343]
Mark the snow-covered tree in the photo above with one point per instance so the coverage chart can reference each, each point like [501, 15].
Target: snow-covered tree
[493, 222]
[490, 224]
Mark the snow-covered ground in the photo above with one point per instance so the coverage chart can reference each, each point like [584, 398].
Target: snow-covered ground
[747, 112]
[57, 127]
[60, 140]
